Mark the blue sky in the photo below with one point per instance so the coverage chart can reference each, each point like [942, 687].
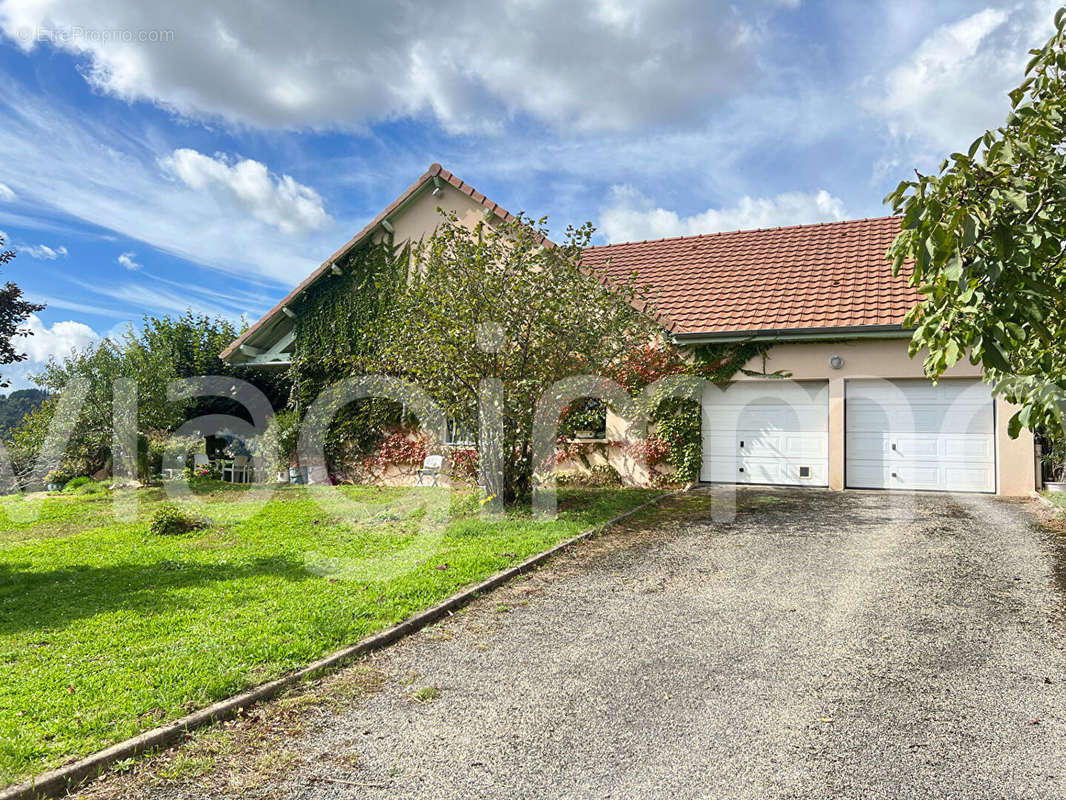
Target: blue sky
[156, 156]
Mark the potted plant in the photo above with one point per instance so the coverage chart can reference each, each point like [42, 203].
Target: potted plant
[284, 438]
[1053, 461]
[55, 480]
[587, 419]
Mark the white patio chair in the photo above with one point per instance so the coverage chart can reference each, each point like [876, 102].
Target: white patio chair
[431, 468]
[239, 470]
[200, 460]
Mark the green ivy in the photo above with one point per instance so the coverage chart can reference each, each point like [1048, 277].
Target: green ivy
[336, 337]
[678, 421]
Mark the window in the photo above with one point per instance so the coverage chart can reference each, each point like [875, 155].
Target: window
[585, 419]
[457, 433]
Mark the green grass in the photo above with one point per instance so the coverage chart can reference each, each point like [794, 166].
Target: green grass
[106, 630]
[1058, 498]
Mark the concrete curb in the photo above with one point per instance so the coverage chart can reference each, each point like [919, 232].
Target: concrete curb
[62, 780]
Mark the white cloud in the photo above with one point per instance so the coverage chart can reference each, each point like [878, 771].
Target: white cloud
[42, 252]
[108, 175]
[630, 216]
[58, 340]
[953, 85]
[280, 202]
[601, 65]
[6, 193]
[146, 299]
[126, 260]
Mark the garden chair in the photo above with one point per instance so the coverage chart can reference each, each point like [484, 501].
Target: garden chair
[239, 470]
[200, 460]
[431, 468]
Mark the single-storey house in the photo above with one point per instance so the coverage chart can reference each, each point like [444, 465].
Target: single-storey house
[857, 412]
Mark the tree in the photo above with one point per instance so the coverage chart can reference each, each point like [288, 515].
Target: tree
[164, 349]
[555, 319]
[986, 241]
[14, 311]
[16, 406]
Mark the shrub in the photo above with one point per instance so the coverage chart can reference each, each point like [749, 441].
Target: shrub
[86, 486]
[204, 472]
[74, 483]
[602, 476]
[169, 520]
[155, 448]
[462, 464]
[57, 476]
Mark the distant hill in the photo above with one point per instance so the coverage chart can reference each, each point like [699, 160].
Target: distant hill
[15, 406]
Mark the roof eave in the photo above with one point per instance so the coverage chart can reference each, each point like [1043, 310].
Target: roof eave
[437, 177]
[796, 334]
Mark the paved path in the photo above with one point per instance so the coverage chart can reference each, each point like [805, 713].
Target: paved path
[855, 645]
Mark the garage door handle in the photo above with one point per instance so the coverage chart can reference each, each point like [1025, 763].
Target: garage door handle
[893, 445]
[894, 475]
[741, 442]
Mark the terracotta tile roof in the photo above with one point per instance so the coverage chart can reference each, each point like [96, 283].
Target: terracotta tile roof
[800, 278]
[804, 277]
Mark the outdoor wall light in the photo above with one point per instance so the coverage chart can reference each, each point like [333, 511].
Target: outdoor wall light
[836, 362]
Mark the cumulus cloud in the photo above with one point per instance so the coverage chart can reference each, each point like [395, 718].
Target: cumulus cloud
[43, 252]
[630, 216]
[597, 65]
[126, 260]
[6, 193]
[57, 340]
[108, 175]
[280, 202]
[953, 85]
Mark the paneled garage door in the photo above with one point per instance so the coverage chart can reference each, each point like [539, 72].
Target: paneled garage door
[767, 432]
[910, 434]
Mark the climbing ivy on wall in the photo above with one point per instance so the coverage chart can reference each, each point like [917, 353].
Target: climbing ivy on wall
[677, 421]
[338, 324]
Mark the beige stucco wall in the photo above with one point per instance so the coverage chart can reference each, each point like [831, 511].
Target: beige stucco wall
[888, 359]
[417, 220]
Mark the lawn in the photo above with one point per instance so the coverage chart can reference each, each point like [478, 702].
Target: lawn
[107, 630]
[1058, 498]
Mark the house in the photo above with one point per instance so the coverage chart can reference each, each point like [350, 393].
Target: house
[857, 412]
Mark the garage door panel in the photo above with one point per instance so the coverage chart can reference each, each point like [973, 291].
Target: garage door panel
[968, 447]
[765, 418]
[772, 471]
[763, 445]
[774, 393]
[944, 439]
[865, 416]
[773, 432]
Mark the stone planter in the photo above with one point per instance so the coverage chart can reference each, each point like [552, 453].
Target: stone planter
[297, 474]
[54, 487]
[1055, 486]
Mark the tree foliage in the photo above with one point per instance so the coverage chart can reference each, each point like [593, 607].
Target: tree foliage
[546, 318]
[15, 406]
[985, 239]
[14, 311]
[164, 349]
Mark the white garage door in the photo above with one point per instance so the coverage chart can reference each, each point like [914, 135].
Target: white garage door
[914, 435]
[767, 432]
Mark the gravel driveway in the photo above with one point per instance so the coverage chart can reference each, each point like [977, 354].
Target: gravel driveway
[826, 644]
